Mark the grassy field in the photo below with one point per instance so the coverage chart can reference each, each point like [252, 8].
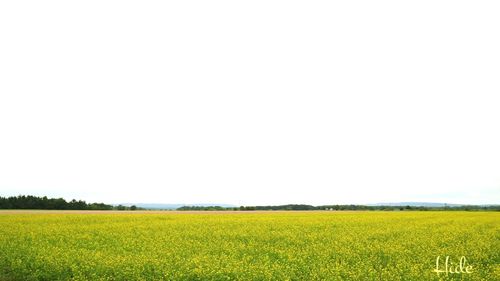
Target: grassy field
[247, 246]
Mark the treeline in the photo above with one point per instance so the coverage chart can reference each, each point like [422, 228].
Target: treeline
[289, 207]
[204, 208]
[303, 207]
[44, 203]
[410, 208]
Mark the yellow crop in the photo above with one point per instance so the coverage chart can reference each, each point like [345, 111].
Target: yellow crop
[247, 246]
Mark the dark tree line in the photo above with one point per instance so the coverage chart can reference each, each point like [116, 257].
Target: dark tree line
[302, 207]
[44, 203]
[289, 207]
[410, 208]
[203, 208]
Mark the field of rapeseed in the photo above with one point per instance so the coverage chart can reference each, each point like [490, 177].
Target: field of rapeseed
[248, 246]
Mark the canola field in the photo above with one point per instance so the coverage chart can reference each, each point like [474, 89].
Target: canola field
[248, 245]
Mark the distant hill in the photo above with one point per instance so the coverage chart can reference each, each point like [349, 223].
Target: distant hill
[162, 206]
[416, 204]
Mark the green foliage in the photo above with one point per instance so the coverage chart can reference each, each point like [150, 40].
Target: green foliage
[302, 207]
[203, 208]
[44, 203]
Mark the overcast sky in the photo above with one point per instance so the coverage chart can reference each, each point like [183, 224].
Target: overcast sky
[251, 102]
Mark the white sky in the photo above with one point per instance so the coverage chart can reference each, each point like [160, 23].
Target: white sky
[251, 102]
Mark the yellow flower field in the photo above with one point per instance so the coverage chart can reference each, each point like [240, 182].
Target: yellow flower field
[248, 245]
